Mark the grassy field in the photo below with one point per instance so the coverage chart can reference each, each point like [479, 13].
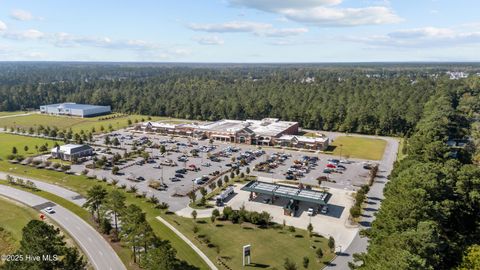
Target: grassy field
[8, 141]
[14, 217]
[270, 247]
[75, 123]
[358, 147]
[11, 113]
[81, 184]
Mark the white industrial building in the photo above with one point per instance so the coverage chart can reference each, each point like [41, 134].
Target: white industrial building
[73, 109]
[71, 151]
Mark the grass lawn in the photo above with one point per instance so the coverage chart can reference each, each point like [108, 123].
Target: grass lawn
[270, 247]
[358, 147]
[14, 217]
[81, 184]
[75, 123]
[401, 146]
[8, 141]
[11, 113]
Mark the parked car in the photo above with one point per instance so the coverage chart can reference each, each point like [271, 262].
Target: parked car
[310, 212]
[182, 171]
[267, 200]
[49, 210]
[174, 179]
[324, 209]
[331, 166]
[179, 175]
[333, 160]
[206, 164]
[198, 181]
[140, 178]
[327, 170]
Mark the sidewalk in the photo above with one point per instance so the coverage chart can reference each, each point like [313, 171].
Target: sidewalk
[184, 238]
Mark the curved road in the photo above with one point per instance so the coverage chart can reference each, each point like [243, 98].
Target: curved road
[99, 252]
[79, 200]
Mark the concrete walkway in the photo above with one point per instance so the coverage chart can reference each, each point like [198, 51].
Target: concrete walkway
[201, 213]
[184, 238]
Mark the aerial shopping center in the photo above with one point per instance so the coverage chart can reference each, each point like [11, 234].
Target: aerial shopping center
[268, 131]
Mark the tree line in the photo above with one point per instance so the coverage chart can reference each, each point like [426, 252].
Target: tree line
[336, 98]
[430, 216]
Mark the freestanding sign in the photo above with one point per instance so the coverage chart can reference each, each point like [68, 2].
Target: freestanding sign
[247, 254]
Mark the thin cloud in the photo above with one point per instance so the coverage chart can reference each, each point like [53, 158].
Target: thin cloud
[228, 27]
[323, 12]
[284, 32]
[322, 16]
[421, 38]
[278, 5]
[259, 29]
[209, 40]
[30, 34]
[3, 26]
[21, 15]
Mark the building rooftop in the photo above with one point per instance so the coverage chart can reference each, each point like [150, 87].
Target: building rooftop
[304, 139]
[288, 192]
[225, 125]
[269, 126]
[71, 105]
[69, 148]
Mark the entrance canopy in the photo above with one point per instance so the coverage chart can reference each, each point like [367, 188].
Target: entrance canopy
[289, 192]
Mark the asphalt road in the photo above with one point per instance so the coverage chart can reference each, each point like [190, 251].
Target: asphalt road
[57, 190]
[374, 200]
[99, 252]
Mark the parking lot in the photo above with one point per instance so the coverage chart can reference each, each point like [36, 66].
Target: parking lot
[200, 160]
[334, 223]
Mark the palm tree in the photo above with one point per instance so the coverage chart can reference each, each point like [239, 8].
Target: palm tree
[96, 196]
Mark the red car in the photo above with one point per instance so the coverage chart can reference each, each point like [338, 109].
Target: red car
[331, 166]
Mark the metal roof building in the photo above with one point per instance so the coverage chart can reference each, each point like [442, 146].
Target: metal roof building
[74, 109]
[289, 192]
[71, 151]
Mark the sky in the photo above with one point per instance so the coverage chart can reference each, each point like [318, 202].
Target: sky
[242, 31]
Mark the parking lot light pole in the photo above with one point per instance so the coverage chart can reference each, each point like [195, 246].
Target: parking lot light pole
[161, 177]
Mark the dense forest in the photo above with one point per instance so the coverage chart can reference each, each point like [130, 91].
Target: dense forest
[430, 217]
[369, 99]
